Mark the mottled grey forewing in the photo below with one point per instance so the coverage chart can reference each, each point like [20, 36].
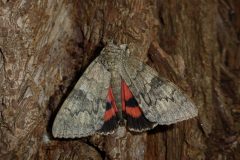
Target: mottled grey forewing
[160, 100]
[82, 112]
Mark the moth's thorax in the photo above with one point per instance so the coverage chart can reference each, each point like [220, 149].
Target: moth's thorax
[112, 57]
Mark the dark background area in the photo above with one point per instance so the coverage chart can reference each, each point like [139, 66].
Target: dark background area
[46, 45]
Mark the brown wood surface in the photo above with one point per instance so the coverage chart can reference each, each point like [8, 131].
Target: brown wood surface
[46, 45]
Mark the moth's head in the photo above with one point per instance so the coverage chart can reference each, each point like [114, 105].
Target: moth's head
[114, 50]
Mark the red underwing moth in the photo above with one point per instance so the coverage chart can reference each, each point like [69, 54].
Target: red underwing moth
[115, 88]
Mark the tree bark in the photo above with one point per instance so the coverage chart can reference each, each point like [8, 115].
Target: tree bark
[46, 45]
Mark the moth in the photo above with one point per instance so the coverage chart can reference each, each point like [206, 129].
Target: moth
[117, 87]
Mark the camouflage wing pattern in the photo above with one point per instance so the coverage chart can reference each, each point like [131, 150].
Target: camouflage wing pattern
[117, 87]
[161, 101]
[82, 112]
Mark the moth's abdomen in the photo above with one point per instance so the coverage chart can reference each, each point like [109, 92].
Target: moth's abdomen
[116, 89]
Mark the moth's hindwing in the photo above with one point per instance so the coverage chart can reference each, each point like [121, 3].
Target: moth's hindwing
[110, 115]
[136, 121]
[82, 113]
[160, 100]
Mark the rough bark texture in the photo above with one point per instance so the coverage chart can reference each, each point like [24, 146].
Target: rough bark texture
[46, 45]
